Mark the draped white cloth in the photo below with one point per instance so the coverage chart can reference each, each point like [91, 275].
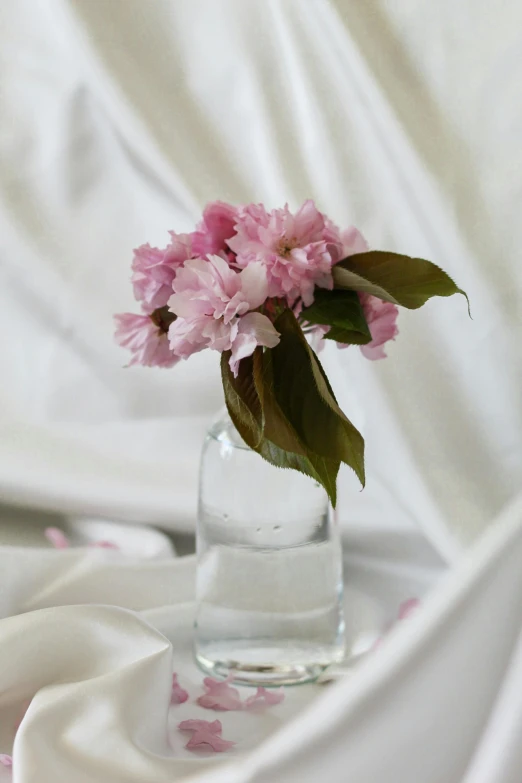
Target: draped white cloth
[119, 119]
[438, 700]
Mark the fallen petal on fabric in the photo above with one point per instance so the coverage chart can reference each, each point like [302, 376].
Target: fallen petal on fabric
[206, 739]
[5, 760]
[178, 695]
[264, 698]
[207, 735]
[220, 695]
[407, 607]
[105, 545]
[213, 727]
[57, 538]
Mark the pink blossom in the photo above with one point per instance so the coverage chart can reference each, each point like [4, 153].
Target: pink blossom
[191, 336]
[381, 318]
[253, 329]
[57, 537]
[217, 226]
[220, 695]
[263, 698]
[351, 239]
[214, 303]
[353, 242]
[154, 270]
[298, 250]
[210, 287]
[5, 760]
[178, 694]
[147, 342]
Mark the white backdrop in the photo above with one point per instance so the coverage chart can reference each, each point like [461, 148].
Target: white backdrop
[121, 118]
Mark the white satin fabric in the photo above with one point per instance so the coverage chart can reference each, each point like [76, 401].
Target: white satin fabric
[91, 638]
[121, 118]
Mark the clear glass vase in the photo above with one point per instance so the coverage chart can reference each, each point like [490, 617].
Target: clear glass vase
[269, 574]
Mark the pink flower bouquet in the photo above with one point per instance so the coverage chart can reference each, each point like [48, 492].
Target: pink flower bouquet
[252, 284]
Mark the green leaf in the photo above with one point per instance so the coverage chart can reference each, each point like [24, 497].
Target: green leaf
[396, 278]
[322, 470]
[346, 336]
[276, 427]
[244, 407]
[337, 308]
[241, 398]
[288, 441]
[281, 445]
[343, 312]
[353, 444]
[306, 400]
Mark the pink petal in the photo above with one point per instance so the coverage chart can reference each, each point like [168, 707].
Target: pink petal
[372, 352]
[105, 545]
[298, 250]
[382, 321]
[147, 343]
[206, 735]
[220, 696]
[213, 727]
[219, 702]
[260, 327]
[244, 345]
[353, 242]
[309, 222]
[149, 288]
[219, 335]
[203, 740]
[178, 695]
[407, 607]
[57, 538]
[186, 337]
[212, 684]
[176, 253]
[217, 226]
[6, 760]
[264, 698]
[254, 329]
[254, 285]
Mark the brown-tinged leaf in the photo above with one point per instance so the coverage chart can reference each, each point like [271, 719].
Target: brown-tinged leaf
[306, 400]
[281, 444]
[241, 398]
[322, 470]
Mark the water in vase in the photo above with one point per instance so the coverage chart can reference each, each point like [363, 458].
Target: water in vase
[269, 577]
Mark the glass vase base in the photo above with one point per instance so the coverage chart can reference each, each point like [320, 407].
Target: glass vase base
[260, 665]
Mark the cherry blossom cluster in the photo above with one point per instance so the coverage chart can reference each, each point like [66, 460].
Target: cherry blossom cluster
[222, 286]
